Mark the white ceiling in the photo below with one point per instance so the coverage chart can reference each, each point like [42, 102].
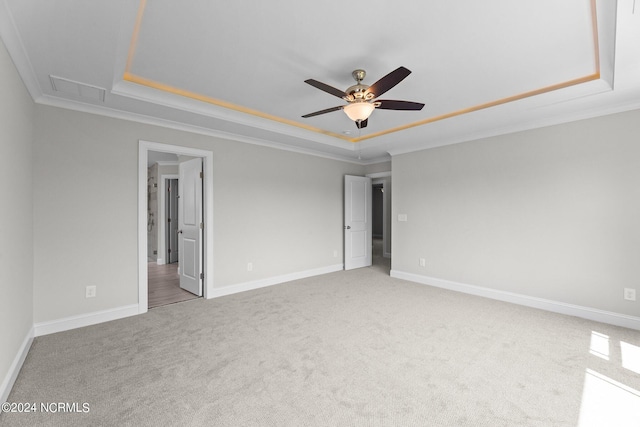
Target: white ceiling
[237, 69]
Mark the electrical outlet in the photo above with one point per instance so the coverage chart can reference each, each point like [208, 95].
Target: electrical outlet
[423, 262]
[90, 292]
[629, 294]
[250, 266]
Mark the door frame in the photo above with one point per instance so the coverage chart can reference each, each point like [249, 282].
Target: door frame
[207, 156]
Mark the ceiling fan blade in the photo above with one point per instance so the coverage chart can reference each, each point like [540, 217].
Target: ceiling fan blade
[390, 104]
[362, 123]
[326, 88]
[328, 110]
[388, 81]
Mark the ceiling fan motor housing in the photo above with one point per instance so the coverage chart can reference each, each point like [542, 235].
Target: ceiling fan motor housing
[358, 91]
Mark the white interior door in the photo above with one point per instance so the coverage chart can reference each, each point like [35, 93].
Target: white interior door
[190, 223]
[357, 222]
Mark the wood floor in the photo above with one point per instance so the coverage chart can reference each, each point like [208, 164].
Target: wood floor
[164, 285]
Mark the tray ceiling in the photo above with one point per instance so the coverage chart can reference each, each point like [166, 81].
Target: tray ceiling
[237, 69]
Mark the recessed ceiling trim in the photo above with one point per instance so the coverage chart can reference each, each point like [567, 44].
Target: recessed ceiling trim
[131, 77]
[489, 104]
[134, 37]
[595, 76]
[595, 35]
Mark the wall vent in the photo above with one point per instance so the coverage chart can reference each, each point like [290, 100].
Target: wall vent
[77, 89]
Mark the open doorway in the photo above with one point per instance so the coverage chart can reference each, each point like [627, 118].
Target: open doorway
[163, 273]
[378, 260]
[367, 225]
[160, 168]
[381, 221]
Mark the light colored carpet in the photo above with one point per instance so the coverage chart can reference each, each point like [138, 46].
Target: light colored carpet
[354, 348]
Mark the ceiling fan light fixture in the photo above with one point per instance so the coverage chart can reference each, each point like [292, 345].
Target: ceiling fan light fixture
[359, 110]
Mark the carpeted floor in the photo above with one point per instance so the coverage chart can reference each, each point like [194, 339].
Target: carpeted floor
[354, 348]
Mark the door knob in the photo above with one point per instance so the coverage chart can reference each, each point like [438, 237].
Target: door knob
[348, 227]
[179, 231]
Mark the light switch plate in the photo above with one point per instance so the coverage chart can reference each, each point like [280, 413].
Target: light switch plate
[90, 292]
[629, 294]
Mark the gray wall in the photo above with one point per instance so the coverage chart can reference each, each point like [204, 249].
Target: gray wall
[552, 213]
[280, 210]
[16, 214]
[378, 167]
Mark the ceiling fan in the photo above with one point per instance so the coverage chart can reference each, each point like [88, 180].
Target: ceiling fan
[362, 98]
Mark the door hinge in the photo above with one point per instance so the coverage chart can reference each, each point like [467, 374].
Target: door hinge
[201, 176]
[169, 189]
[202, 275]
[169, 250]
[168, 219]
[201, 226]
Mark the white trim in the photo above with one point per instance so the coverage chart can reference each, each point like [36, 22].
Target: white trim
[207, 157]
[379, 175]
[100, 110]
[81, 320]
[167, 162]
[541, 123]
[270, 281]
[159, 97]
[13, 42]
[589, 313]
[16, 365]
[551, 120]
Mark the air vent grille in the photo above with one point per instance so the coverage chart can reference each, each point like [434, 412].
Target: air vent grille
[77, 89]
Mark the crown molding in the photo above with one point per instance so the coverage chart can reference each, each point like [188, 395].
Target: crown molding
[68, 104]
[182, 103]
[551, 120]
[17, 52]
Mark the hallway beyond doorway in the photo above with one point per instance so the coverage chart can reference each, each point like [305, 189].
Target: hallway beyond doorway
[378, 261]
[164, 285]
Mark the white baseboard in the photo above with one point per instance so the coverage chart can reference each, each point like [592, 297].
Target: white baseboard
[262, 283]
[73, 322]
[160, 261]
[595, 314]
[14, 369]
